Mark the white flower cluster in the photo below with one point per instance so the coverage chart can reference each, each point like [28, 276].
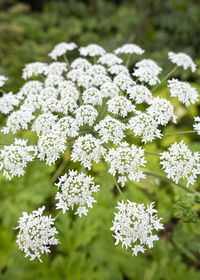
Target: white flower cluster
[50, 146]
[30, 88]
[86, 114]
[18, 120]
[179, 162]
[69, 126]
[35, 68]
[109, 89]
[7, 103]
[14, 158]
[75, 190]
[145, 126]
[134, 226]
[109, 59]
[87, 149]
[110, 129]
[61, 49]
[123, 81]
[161, 110]
[92, 50]
[183, 90]
[92, 96]
[147, 71]
[120, 105]
[36, 233]
[93, 106]
[125, 161]
[140, 94]
[182, 59]
[117, 69]
[129, 49]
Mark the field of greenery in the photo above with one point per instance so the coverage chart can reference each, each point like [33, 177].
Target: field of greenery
[86, 249]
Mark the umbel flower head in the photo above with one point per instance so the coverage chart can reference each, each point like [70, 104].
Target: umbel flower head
[61, 49]
[183, 90]
[14, 158]
[87, 149]
[182, 59]
[145, 126]
[134, 226]
[75, 190]
[103, 113]
[129, 49]
[179, 162]
[125, 161]
[147, 71]
[36, 233]
[7, 102]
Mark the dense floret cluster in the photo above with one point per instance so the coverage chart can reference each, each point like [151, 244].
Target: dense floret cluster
[101, 111]
[179, 162]
[134, 225]
[36, 233]
[75, 190]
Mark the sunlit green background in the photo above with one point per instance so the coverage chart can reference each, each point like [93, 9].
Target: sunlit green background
[28, 31]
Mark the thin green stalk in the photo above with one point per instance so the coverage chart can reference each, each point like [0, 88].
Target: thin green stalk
[67, 61]
[165, 179]
[85, 131]
[150, 153]
[119, 189]
[137, 80]
[59, 213]
[129, 134]
[59, 170]
[128, 60]
[180, 132]
[80, 100]
[165, 78]
[106, 145]
[116, 184]
[2, 91]
[101, 112]
[94, 60]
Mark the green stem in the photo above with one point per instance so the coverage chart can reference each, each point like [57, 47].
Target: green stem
[2, 91]
[107, 146]
[67, 61]
[80, 100]
[59, 213]
[102, 112]
[94, 60]
[164, 178]
[150, 153]
[59, 170]
[116, 184]
[119, 189]
[165, 78]
[180, 132]
[128, 60]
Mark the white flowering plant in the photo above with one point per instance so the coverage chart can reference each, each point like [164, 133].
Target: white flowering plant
[100, 112]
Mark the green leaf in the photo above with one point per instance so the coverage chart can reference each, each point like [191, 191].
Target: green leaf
[183, 208]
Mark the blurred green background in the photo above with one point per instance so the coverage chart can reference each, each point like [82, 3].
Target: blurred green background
[28, 31]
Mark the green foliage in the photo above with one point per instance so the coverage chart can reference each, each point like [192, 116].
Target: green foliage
[183, 208]
[86, 249]
[158, 26]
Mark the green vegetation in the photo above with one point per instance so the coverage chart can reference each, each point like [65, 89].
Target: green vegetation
[86, 249]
